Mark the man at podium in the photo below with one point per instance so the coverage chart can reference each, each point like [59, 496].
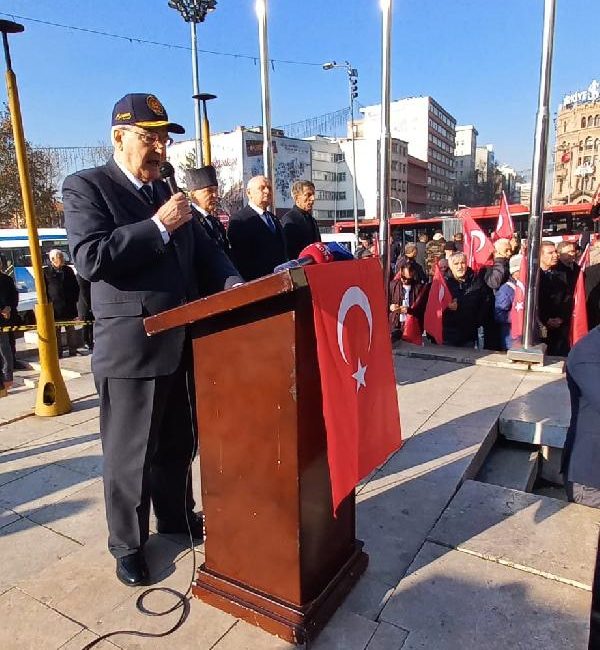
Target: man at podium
[138, 246]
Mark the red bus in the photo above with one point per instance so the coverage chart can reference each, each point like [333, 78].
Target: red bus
[564, 221]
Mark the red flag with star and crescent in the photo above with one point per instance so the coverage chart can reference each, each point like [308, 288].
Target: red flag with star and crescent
[439, 299]
[360, 404]
[517, 310]
[579, 320]
[478, 248]
[505, 228]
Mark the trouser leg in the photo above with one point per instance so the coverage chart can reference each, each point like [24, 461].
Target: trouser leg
[71, 339]
[126, 408]
[6, 357]
[175, 450]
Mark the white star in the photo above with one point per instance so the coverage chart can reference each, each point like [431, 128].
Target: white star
[359, 375]
[519, 306]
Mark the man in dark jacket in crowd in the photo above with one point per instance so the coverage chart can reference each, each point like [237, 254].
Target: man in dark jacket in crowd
[63, 292]
[299, 226]
[592, 286]
[410, 256]
[9, 299]
[494, 277]
[555, 302]
[421, 250]
[567, 254]
[466, 312]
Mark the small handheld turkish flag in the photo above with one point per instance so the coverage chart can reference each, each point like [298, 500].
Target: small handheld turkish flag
[505, 228]
[439, 299]
[360, 404]
[579, 319]
[478, 248]
[517, 310]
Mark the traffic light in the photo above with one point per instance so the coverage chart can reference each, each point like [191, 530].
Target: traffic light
[353, 78]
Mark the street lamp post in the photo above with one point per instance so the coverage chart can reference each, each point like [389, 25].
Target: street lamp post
[52, 397]
[194, 12]
[353, 94]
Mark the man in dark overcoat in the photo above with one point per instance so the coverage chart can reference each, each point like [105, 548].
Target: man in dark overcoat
[203, 187]
[299, 226]
[143, 253]
[255, 234]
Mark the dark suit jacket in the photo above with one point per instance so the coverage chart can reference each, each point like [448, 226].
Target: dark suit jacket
[214, 229]
[133, 273]
[581, 455]
[62, 291]
[255, 249]
[300, 229]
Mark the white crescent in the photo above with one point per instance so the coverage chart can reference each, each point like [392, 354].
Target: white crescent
[480, 237]
[352, 296]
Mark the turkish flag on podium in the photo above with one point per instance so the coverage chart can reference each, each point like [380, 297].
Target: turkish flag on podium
[360, 404]
[579, 320]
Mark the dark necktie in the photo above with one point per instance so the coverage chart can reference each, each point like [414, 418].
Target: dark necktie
[269, 221]
[148, 193]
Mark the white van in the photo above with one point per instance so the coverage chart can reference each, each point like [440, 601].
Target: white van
[346, 239]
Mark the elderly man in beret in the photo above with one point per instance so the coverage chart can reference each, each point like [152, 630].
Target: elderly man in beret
[143, 253]
[203, 187]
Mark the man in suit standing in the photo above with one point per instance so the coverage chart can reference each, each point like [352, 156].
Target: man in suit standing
[299, 226]
[203, 187]
[256, 236]
[142, 253]
[581, 453]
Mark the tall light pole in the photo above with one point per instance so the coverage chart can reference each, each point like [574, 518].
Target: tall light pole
[194, 12]
[263, 38]
[385, 147]
[52, 397]
[531, 352]
[353, 94]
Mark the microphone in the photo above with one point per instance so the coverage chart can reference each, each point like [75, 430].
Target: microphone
[167, 173]
[340, 253]
[318, 252]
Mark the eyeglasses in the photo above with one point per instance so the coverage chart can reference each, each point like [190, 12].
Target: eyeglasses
[151, 139]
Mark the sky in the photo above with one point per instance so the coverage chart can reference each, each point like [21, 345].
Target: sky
[480, 59]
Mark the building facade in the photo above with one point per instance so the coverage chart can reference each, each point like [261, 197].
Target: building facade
[417, 186]
[430, 132]
[577, 153]
[332, 177]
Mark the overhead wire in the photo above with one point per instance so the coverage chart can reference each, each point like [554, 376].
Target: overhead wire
[144, 41]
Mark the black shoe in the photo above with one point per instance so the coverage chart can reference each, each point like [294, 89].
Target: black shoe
[196, 521]
[132, 570]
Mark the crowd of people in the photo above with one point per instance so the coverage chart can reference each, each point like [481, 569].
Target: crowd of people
[479, 314]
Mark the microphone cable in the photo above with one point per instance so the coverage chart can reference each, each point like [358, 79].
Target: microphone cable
[182, 600]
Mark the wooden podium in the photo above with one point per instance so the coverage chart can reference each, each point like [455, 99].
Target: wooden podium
[275, 555]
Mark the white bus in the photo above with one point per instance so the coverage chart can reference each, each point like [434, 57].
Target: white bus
[16, 258]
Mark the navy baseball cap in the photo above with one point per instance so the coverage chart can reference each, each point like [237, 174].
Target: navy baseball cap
[144, 110]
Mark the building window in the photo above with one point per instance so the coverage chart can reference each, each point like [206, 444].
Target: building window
[338, 157]
[589, 143]
[597, 120]
[565, 126]
[583, 122]
[341, 176]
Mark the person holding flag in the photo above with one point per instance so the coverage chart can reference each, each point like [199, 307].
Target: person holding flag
[512, 292]
[579, 318]
[469, 306]
[407, 304]
[439, 300]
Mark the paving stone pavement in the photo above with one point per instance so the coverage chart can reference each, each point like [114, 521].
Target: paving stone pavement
[450, 567]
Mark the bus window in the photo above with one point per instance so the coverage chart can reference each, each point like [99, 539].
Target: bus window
[21, 256]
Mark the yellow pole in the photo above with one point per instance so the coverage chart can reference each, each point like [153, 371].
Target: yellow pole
[52, 397]
[206, 152]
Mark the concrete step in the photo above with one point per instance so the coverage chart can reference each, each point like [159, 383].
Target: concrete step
[510, 467]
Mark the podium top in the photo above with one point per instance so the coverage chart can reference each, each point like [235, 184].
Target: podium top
[226, 301]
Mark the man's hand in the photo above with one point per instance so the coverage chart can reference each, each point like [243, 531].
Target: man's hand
[5, 312]
[175, 212]
[453, 306]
